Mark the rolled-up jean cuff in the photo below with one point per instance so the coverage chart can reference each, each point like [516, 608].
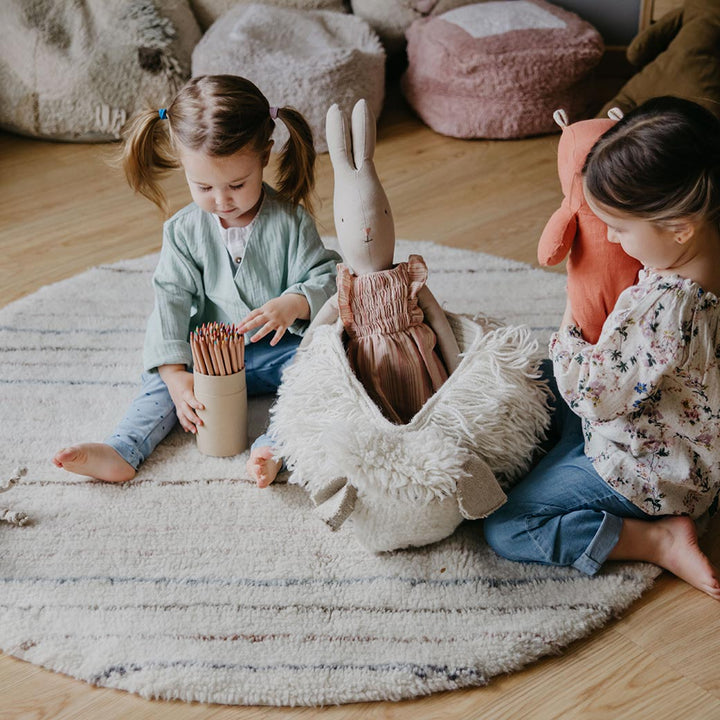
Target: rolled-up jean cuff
[601, 545]
[265, 440]
[129, 453]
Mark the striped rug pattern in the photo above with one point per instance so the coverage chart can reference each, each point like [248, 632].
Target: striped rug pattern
[191, 583]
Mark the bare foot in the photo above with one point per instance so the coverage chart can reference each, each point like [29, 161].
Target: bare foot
[261, 466]
[671, 543]
[96, 460]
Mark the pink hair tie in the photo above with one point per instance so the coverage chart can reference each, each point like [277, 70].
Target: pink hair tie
[273, 112]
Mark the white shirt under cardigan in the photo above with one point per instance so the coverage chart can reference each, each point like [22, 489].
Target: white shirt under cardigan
[195, 282]
[236, 239]
[649, 394]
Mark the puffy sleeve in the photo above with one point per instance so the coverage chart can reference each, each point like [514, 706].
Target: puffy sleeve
[418, 273]
[645, 337]
[311, 269]
[177, 283]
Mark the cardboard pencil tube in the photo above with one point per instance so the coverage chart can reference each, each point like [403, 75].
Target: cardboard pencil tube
[224, 430]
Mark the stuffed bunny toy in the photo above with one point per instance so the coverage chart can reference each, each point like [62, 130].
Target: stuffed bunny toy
[13, 517]
[597, 270]
[404, 475]
[392, 319]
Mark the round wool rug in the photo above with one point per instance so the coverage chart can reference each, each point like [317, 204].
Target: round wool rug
[191, 583]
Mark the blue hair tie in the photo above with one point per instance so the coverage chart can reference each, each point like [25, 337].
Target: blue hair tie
[162, 112]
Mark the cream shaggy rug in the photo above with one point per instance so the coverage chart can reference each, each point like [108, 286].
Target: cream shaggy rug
[191, 583]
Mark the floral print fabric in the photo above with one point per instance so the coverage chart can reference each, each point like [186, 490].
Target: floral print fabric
[649, 394]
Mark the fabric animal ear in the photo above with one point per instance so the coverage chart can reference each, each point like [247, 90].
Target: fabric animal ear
[478, 491]
[339, 140]
[561, 118]
[335, 502]
[363, 134]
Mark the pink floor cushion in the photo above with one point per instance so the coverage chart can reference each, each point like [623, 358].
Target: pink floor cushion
[500, 69]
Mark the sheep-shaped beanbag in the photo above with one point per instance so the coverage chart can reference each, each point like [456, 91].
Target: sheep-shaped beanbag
[401, 483]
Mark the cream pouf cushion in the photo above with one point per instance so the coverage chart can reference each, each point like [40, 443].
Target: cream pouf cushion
[391, 18]
[304, 59]
[208, 11]
[77, 71]
[500, 69]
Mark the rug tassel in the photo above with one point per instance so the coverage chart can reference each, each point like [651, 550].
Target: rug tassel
[14, 517]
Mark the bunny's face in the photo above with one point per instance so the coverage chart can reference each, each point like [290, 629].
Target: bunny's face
[363, 218]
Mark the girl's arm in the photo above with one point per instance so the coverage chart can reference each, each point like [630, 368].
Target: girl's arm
[435, 317]
[177, 285]
[640, 343]
[312, 269]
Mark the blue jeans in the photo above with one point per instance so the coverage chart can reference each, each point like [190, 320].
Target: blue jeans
[563, 512]
[151, 416]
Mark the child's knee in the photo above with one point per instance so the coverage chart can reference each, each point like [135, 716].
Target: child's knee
[500, 530]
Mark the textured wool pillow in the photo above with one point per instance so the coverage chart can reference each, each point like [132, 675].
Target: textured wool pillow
[500, 69]
[304, 59]
[76, 71]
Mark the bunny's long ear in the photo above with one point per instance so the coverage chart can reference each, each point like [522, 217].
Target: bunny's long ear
[363, 133]
[338, 139]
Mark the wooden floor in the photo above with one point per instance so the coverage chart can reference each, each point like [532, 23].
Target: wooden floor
[62, 210]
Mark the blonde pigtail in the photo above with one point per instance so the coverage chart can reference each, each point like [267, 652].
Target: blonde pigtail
[147, 154]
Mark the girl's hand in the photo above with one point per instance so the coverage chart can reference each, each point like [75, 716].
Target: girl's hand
[277, 314]
[180, 384]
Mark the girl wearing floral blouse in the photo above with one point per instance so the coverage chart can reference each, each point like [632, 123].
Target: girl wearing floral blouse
[637, 418]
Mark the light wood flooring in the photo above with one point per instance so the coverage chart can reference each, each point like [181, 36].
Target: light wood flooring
[62, 210]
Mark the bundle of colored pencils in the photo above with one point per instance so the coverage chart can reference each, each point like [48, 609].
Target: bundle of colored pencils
[217, 349]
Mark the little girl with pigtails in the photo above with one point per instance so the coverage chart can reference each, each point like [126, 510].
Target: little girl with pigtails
[241, 252]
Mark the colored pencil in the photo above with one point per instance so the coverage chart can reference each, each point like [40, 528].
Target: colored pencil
[217, 349]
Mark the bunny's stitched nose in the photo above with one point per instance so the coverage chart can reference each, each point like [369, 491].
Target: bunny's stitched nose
[367, 235]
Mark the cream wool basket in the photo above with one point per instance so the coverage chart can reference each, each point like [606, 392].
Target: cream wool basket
[398, 484]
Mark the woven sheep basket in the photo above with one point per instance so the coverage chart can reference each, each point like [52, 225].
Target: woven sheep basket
[399, 484]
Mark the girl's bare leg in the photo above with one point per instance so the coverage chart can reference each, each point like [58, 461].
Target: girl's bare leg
[261, 466]
[671, 543]
[96, 460]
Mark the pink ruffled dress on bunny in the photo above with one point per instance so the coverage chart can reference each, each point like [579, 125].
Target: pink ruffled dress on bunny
[390, 348]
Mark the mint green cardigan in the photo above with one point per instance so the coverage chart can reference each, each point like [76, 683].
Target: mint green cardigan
[195, 281]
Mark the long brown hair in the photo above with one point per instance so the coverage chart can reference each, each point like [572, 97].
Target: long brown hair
[661, 163]
[218, 115]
